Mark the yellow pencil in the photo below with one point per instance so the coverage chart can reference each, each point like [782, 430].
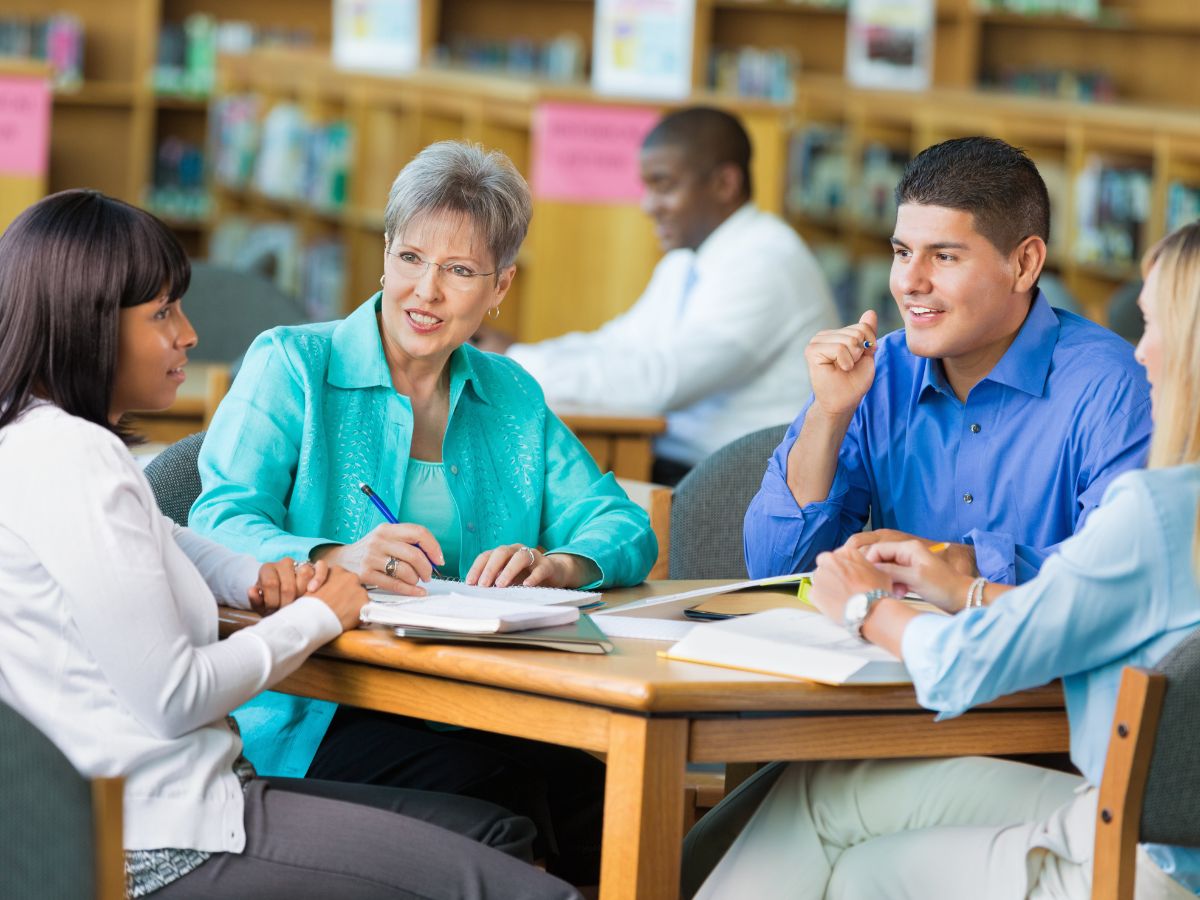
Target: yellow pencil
[938, 548]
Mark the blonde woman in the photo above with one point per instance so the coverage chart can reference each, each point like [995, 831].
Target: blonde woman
[1123, 591]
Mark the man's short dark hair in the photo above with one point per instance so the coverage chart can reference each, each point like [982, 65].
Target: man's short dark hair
[994, 181]
[709, 137]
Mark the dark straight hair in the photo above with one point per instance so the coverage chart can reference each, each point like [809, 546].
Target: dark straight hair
[68, 265]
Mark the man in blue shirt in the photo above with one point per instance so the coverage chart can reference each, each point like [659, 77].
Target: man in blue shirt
[992, 422]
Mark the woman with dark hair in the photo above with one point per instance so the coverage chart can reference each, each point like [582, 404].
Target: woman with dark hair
[108, 623]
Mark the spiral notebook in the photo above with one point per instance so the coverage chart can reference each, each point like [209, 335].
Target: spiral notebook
[541, 596]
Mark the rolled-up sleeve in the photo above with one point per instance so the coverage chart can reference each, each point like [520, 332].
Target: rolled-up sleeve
[588, 514]
[782, 537]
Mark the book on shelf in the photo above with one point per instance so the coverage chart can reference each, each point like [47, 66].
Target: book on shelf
[791, 642]
[580, 636]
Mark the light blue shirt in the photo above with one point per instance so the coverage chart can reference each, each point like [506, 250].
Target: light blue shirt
[427, 499]
[1122, 592]
[313, 414]
[1014, 470]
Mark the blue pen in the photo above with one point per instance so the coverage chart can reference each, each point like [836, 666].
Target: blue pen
[387, 515]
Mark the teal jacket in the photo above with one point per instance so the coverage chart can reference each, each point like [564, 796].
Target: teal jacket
[313, 414]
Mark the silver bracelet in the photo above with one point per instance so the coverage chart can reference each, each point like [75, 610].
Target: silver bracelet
[975, 593]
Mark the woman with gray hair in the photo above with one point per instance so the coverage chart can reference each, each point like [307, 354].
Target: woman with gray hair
[487, 485]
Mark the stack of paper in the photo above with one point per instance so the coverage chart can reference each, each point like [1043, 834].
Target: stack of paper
[465, 614]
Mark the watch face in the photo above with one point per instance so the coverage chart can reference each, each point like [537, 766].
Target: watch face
[856, 607]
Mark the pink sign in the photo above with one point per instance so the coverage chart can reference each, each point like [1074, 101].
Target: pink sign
[24, 125]
[589, 154]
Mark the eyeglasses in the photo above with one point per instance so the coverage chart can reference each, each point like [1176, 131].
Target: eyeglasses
[409, 265]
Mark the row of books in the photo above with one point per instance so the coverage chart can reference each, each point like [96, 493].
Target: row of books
[1112, 206]
[179, 191]
[752, 72]
[1090, 86]
[284, 155]
[1084, 9]
[56, 40]
[820, 183]
[312, 270]
[563, 59]
[187, 50]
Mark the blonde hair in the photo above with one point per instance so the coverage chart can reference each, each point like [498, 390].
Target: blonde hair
[1176, 302]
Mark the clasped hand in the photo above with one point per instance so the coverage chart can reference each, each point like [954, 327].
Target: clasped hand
[893, 566]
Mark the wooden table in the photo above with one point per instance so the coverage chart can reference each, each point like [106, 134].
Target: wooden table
[651, 716]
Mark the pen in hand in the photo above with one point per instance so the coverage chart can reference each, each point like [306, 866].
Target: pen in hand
[391, 519]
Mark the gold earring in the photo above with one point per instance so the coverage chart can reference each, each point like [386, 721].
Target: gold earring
[494, 312]
[381, 277]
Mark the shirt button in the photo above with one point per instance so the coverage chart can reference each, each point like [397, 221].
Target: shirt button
[454, 469]
[470, 526]
[975, 428]
[967, 498]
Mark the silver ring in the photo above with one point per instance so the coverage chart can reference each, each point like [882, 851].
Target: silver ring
[389, 568]
[532, 556]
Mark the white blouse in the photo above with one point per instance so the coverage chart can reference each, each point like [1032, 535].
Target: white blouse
[108, 631]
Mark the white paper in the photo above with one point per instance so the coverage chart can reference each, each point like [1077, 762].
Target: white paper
[440, 587]
[643, 48]
[458, 612]
[377, 35]
[644, 629]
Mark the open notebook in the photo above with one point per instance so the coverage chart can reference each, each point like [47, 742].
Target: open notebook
[790, 642]
[539, 596]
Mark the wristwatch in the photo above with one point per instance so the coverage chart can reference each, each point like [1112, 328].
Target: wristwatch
[858, 607]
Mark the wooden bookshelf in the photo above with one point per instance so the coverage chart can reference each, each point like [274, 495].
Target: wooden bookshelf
[105, 134]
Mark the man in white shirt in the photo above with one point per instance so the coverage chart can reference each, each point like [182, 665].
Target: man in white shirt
[716, 341]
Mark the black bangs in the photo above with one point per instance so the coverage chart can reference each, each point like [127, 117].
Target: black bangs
[155, 260]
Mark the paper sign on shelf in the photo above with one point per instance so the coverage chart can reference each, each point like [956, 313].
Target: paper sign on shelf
[889, 43]
[377, 35]
[589, 154]
[24, 125]
[643, 48]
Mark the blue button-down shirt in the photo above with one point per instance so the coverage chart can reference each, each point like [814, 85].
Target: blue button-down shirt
[1123, 592]
[1014, 470]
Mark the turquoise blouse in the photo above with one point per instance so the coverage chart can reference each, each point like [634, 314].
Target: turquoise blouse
[313, 413]
[427, 499]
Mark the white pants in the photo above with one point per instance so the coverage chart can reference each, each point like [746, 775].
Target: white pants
[959, 829]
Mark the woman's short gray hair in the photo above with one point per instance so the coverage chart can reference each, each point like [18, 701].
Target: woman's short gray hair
[459, 177]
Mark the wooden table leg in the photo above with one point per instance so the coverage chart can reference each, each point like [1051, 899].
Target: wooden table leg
[643, 808]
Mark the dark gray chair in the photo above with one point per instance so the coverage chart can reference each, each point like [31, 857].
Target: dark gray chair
[229, 308]
[60, 833]
[1124, 317]
[715, 832]
[710, 504]
[175, 478]
[1150, 792]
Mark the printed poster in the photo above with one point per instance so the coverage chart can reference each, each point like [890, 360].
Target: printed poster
[643, 48]
[24, 125]
[889, 43]
[589, 154]
[377, 35]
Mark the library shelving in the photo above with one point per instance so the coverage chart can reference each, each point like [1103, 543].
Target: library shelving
[1145, 144]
